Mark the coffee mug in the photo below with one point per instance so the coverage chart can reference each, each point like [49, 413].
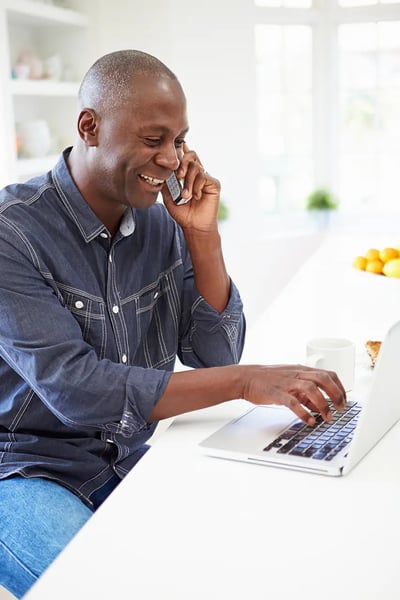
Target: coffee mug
[334, 354]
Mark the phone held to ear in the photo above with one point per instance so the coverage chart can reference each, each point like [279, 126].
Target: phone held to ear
[175, 189]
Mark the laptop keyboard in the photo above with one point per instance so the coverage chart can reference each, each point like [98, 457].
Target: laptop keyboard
[321, 441]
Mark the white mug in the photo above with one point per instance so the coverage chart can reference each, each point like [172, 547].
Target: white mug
[334, 354]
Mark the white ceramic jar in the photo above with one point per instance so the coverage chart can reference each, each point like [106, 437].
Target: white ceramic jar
[35, 138]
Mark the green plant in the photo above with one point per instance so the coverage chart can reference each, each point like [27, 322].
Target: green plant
[223, 211]
[321, 199]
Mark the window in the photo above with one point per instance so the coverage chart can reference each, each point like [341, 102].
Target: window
[328, 82]
[369, 88]
[284, 81]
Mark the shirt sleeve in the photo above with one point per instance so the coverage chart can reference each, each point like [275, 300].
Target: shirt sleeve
[209, 338]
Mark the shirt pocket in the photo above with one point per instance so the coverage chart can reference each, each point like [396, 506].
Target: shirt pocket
[146, 302]
[157, 309]
[89, 313]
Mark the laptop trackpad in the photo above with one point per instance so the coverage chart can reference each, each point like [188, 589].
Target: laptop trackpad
[252, 431]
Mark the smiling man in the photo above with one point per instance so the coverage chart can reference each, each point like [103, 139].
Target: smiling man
[101, 288]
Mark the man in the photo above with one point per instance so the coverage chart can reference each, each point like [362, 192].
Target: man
[101, 287]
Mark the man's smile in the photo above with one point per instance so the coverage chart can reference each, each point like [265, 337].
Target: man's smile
[153, 181]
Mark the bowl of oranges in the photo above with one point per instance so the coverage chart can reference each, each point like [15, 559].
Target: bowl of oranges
[383, 261]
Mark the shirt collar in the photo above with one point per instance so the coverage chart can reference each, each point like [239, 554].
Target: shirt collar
[78, 209]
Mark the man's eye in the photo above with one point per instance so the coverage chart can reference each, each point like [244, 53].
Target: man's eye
[179, 143]
[152, 141]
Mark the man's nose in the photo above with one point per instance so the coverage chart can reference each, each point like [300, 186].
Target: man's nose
[169, 158]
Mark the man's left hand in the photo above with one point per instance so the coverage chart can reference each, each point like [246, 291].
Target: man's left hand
[202, 192]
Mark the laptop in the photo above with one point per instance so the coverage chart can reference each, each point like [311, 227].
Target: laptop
[274, 436]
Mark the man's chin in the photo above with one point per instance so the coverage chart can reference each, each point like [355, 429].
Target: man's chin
[144, 200]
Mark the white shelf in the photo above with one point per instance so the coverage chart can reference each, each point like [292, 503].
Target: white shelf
[43, 87]
[46, 30]
[30, 166]
[41, 14]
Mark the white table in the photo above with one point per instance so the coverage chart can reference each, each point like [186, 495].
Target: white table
[184, 526]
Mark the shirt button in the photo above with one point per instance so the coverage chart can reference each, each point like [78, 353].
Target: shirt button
[104, 235]
[156, 295]
[115, 309]
[79, 304]
[124, 358]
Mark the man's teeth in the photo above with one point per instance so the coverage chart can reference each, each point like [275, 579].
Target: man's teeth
[152, 180]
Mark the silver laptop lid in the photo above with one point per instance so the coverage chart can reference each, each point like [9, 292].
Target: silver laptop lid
[381, 410]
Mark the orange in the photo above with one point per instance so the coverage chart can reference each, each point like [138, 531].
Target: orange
[392, 268]
[360, 262]
[372, 254]
[387, 254]
[374, 266]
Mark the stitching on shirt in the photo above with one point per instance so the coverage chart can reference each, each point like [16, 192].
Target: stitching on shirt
[156, 364]
[72, 213]
[153, 285]
[231, 330]
[21, 410]
[49, 476]
[99, 475]
[173, 301]
[122, 344]
[27, 201]
[23, 239]
[197, 302]
[77, 291]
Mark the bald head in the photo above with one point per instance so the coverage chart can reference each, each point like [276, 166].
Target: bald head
[110, 81]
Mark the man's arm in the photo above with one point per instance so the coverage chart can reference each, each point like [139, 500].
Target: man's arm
[199, 221]
[294, 386]
[210, 276]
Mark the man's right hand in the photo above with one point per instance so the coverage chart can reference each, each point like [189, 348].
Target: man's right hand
[301, 389]
[296, 386]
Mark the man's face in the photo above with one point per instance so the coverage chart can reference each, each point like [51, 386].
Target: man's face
[140, 144]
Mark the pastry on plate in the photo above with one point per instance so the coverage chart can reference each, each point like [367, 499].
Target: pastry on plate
[373, 348]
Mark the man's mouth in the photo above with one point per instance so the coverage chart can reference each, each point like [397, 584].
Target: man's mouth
[152, 180]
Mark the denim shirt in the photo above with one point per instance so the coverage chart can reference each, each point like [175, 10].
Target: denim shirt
[90, 326]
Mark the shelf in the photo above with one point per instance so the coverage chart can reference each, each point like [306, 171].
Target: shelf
[43, 87]
[42, 14]
[47, 30]
[32, 166]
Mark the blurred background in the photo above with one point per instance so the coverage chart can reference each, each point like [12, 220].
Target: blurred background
[285, 96]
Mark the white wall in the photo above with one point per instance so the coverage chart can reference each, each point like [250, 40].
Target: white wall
[209, 45]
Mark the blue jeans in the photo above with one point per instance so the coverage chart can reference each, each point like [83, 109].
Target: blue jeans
[38, 518]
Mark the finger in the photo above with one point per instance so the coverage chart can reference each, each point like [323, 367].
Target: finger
[329, 382]
[199, 182]
[189, 156]
[295, 406]
[308, 393]
[195, 180]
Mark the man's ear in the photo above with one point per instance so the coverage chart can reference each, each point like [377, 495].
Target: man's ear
[88, 126]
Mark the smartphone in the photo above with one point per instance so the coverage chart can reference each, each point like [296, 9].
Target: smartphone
[175, 189]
